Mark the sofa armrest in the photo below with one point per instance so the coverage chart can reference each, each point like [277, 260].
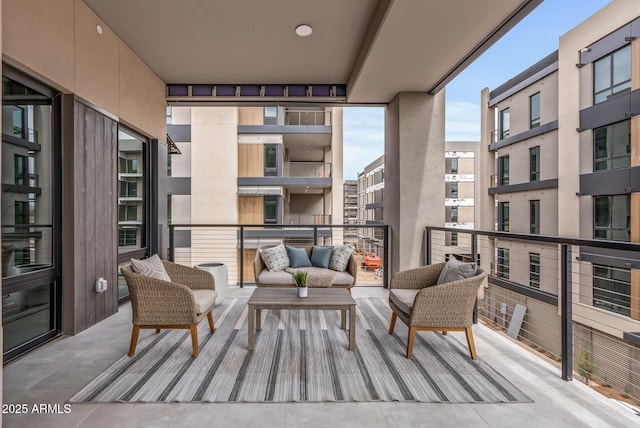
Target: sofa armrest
[352, 268]
[258, 266]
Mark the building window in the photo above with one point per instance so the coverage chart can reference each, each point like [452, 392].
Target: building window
[270, 160]
[611, 217]
[454, 190]
[454, 239]
[503, 170]
[132, 176]
[503, 263]
[534, 217]
[505, 123]
[534, 110]
[612, 75]
[454, 214]
[270, 209]
[612, 146]
[534, 270]
[611, 289]
[453, 165]
[534, 163]
[503, 216]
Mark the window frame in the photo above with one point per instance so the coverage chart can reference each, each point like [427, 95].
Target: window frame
[503, 220]
[503, 173]
[610, 229]
[611, 157]
[505, 131]
[534, 163]
[534, 216]
[534, 270]
[502, 263]
[534, 117]
[611, 78]
[605, 297]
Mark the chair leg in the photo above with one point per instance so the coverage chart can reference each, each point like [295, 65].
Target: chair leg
[412, 334]
[444, 332]
[472, 346]
[194, 340]
[134, 340]
[392, 326]
[210, 319]
[157, 330]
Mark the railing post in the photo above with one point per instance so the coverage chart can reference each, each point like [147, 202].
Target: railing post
[474, 258]
[427, 243]
[172, 249]
[385, 252]
[315, 235]
[567, 317]
[242, 256]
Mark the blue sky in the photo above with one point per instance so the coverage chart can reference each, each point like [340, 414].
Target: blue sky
[531, 40]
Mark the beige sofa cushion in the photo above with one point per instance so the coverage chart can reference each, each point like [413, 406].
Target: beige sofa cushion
[204, 299]
[283, 278]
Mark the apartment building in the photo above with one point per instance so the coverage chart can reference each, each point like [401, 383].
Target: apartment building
[265, 165]
[350, 210]
[562, 150]
[461, 191]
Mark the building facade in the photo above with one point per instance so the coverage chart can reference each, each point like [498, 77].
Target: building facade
[350, 210]
[266, 165]
[562, 146]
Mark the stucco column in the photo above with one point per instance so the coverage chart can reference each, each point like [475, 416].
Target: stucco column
[414, 174]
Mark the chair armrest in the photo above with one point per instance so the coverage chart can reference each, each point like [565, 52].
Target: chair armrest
[352, 268]
[258, 265]
[417, 278]
[193, 278]
[447, 305]
[157, 302]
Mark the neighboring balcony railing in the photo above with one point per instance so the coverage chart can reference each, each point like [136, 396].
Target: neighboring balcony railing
[235, 245]
[575, 301]
[307, 169]
[307, 117]
[307, 219]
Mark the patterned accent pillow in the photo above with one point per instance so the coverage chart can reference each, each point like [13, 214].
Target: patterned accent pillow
[298, 257]
[321, 256]
[276, 258]
[455, 270]
[340, 257]
[151, 266]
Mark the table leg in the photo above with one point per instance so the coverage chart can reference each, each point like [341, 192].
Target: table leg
[258, 319]
[251, 327]
[343, 319]
[352, 328]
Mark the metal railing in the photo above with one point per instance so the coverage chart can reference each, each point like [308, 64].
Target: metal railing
[235, 245]
[307, 219]
[574, 300]
[307, 117]
[307, 169]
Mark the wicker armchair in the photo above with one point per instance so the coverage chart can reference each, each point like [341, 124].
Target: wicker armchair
[422, 305]
[181, 303]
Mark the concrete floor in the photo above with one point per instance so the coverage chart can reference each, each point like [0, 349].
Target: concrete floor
[53, 373]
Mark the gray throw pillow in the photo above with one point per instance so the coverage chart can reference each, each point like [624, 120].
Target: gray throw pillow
[321, 256]
[275, 258]
[455, 270]
[151, 266]
[340, 257]
[298, 257]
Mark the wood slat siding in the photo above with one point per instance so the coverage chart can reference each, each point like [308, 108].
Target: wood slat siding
[250, 160]
[95, 227]
[251, 116]
[251, 209]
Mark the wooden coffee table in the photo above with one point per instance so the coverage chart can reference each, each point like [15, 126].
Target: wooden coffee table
[286, 298]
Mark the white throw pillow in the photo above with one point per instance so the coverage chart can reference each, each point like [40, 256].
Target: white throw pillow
[455, 270]
[152, 267]
[340, 257]
[275, 258]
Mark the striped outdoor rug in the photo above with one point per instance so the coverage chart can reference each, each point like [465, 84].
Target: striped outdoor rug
[300, 356]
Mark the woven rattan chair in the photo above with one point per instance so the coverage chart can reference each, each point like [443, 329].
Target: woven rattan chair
[181, 303]
[422, 305]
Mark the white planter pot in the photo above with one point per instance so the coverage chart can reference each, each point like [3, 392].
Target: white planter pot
[220, 275]
[302, 291]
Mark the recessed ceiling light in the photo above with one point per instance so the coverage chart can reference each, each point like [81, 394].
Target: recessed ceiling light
[99, 28]
[304, 30]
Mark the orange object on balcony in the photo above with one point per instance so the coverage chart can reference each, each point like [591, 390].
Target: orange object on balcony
[372, 262]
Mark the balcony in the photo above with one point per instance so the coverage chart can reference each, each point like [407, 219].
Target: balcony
[307, 170]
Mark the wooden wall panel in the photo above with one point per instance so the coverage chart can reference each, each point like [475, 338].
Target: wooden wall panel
[249, 254]
[250, 160]
[250, 116]
[250, 210]
[95, 228]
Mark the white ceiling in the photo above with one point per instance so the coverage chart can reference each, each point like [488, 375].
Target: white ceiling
[377, 47]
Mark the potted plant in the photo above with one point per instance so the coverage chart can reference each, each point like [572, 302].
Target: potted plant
[300, 279]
